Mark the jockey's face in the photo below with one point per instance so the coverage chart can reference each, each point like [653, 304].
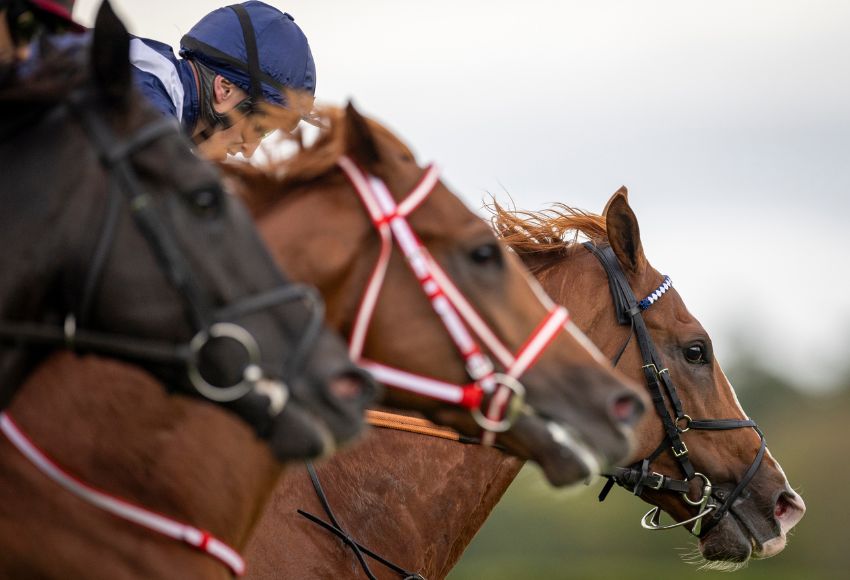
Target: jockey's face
[243, 137]
[246, 132]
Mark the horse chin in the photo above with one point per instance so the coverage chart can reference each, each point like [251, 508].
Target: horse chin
[299, 435]
[728, 546]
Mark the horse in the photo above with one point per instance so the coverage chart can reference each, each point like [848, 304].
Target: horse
[330, 215]
[389, 511]
[173, 277]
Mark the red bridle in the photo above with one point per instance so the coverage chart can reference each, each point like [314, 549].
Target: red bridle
[456, 313]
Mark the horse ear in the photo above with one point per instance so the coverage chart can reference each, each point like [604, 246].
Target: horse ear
[359, 141]
[620, 192]
[624, 233]
[110, 55]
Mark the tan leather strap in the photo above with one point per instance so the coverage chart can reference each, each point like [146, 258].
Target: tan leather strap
[409, 424]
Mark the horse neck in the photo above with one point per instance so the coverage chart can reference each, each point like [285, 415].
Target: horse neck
[115, 428]
[413, 499]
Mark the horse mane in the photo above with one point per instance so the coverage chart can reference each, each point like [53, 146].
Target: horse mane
[549, 234]
[261, 186]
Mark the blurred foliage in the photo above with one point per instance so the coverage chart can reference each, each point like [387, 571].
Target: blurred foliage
[538, 532]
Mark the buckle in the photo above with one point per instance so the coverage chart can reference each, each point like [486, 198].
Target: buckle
[680, 452]
[654, 481]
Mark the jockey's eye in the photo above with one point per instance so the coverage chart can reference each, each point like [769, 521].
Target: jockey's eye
[695, 354]
[487, 254]
[262, 131]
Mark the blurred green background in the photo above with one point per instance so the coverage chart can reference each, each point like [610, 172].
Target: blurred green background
[538, 532]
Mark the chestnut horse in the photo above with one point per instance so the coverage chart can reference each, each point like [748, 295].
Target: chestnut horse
[170, 258]
[415, 497]
[314, 211]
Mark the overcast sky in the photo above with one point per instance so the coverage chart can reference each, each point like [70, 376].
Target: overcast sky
[729, 121]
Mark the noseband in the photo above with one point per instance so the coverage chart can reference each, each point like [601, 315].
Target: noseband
[258, 397]
[637, 478]
[506, 393]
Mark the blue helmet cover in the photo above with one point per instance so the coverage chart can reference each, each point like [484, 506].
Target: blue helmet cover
[283, 50]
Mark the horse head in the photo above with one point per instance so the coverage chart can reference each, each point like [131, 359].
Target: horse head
[699, 457]
[428, 298]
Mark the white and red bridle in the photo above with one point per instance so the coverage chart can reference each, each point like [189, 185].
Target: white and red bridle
[457, 315]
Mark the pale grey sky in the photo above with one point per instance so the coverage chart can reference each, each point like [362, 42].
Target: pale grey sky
[729, 121]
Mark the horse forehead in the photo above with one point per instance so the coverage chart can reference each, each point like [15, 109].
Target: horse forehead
[446, 217]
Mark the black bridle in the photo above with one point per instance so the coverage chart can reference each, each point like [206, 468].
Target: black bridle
[255, 396]
[638, 477]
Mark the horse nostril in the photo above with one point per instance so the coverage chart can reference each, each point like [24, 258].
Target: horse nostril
[788, 511]
[346, 388]
[789, 507]
[354, 386]
[626, 408]
[782, 507]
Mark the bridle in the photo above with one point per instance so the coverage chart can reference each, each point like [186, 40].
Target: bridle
[714, 500]
[461, 321]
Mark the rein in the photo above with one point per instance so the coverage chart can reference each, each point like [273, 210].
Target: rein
[408, 424]
[636, 478]
[506, 394]
[384, 420]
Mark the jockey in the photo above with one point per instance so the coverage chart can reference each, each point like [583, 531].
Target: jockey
[21, 21]
[233, 59]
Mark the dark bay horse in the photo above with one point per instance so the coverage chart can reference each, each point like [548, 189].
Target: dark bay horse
[116, 239]
[415, 495]
[425, 316]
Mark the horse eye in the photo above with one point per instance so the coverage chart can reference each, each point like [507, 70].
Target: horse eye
[487, 254]
[205, 201]
[695, 354]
